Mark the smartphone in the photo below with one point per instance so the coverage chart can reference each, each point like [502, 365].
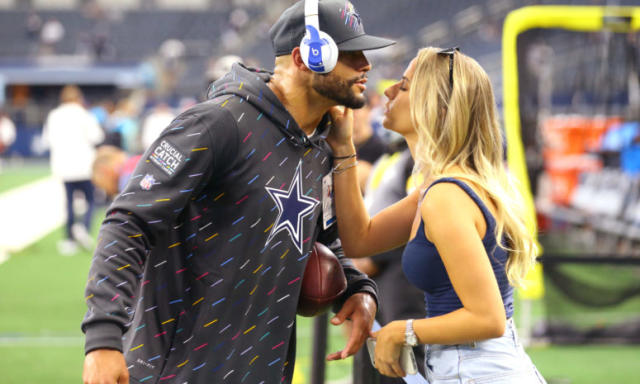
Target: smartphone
[407, 358]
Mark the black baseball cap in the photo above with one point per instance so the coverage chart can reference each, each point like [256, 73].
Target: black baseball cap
[338, 18]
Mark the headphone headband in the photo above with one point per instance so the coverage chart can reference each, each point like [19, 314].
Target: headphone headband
[319, 51]
[311, 14]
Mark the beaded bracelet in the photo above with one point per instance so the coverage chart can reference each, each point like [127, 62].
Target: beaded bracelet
[344, 157]
[336, 170]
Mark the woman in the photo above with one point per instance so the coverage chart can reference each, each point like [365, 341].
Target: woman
[444, 107]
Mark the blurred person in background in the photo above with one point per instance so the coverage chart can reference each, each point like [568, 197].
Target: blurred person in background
[219, 67]
[71, 133]
[369, 146]
[376, 113]
[7, 133]
[51, 34]
[197, 274]
[155, 122]
[112, 169]
[467, 244]
[122, 126]
[32, 27]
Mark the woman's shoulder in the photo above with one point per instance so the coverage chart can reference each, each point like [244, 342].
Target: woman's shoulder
[444, 197]
[452, 196]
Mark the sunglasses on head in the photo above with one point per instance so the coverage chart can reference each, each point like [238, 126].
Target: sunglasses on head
[449, 52]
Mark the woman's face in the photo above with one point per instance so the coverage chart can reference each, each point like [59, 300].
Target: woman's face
[397, 116]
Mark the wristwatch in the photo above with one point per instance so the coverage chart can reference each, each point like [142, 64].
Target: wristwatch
[410, 337]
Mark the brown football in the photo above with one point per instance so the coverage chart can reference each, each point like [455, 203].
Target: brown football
[322, 283]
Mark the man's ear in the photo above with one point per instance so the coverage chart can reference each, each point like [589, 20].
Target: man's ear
[296, 57]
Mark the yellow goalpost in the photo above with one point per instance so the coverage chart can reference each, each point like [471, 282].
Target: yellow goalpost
[573, 18]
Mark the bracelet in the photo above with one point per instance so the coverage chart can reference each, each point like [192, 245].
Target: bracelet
[344, 157]
[337, 170]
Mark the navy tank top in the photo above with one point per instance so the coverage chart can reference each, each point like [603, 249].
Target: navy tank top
[423, 266]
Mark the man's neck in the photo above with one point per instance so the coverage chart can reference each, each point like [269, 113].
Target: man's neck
[300, 102]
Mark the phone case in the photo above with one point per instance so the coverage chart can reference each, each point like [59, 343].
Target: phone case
[407, 357]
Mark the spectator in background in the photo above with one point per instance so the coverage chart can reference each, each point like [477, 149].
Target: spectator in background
[32, 28]
[102, 110]
[369, 146]
[112, 169]
[51, 34]
[122, 126]
[157, 120]
[220, 67]
[72, 133]
[7, 133]
[99, 37]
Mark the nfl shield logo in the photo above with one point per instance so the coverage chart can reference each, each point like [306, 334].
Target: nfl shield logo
[147, 182]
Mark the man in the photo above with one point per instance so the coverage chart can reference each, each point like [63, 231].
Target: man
[197, 274]
[72, 133]
[7, 133]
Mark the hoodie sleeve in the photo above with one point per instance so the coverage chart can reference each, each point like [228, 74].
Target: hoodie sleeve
[357, 282]
[174, 169]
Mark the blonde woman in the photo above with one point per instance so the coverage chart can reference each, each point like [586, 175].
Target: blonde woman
[450, 225]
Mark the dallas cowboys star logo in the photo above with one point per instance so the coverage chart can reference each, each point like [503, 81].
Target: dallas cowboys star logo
[293, 207]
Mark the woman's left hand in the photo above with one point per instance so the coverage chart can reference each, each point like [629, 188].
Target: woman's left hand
[340, 136]
[389, 342]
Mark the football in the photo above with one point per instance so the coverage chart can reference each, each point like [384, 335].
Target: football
[322, 283]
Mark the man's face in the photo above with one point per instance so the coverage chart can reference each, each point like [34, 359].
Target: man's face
[346, 83]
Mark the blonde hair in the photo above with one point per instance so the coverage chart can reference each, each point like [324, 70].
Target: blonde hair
[457, 126]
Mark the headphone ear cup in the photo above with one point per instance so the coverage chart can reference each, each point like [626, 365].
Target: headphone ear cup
[304, 51]
[328, 50]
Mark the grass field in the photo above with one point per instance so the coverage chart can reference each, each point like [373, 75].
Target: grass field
[42, 304]
[14, 175]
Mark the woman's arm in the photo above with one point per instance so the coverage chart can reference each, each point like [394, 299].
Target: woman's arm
[361, 235]
[455, 224]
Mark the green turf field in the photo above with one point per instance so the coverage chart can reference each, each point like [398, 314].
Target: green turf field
[42, 304]
[15, 175]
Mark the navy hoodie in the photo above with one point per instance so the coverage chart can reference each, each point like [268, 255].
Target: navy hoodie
[199, 262]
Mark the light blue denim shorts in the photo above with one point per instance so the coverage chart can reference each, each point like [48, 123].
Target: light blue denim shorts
[497, 361]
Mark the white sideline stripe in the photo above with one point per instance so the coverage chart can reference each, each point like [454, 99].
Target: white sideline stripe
[43, 341]
[30, 212]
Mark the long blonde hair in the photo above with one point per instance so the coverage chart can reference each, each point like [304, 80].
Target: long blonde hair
[457, 126]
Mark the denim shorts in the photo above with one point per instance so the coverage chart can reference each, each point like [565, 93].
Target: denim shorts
[497, 361]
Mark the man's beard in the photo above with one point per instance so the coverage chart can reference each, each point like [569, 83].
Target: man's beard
[337, 89]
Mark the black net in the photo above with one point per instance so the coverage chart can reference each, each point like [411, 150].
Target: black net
[580, 104]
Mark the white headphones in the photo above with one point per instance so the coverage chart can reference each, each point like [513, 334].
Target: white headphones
[319, 51]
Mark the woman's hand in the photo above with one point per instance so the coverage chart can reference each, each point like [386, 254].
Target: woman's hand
[389, 342]
[340, 136]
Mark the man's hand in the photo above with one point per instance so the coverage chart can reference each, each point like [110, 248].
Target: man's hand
[361, 309]
[105, 366]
